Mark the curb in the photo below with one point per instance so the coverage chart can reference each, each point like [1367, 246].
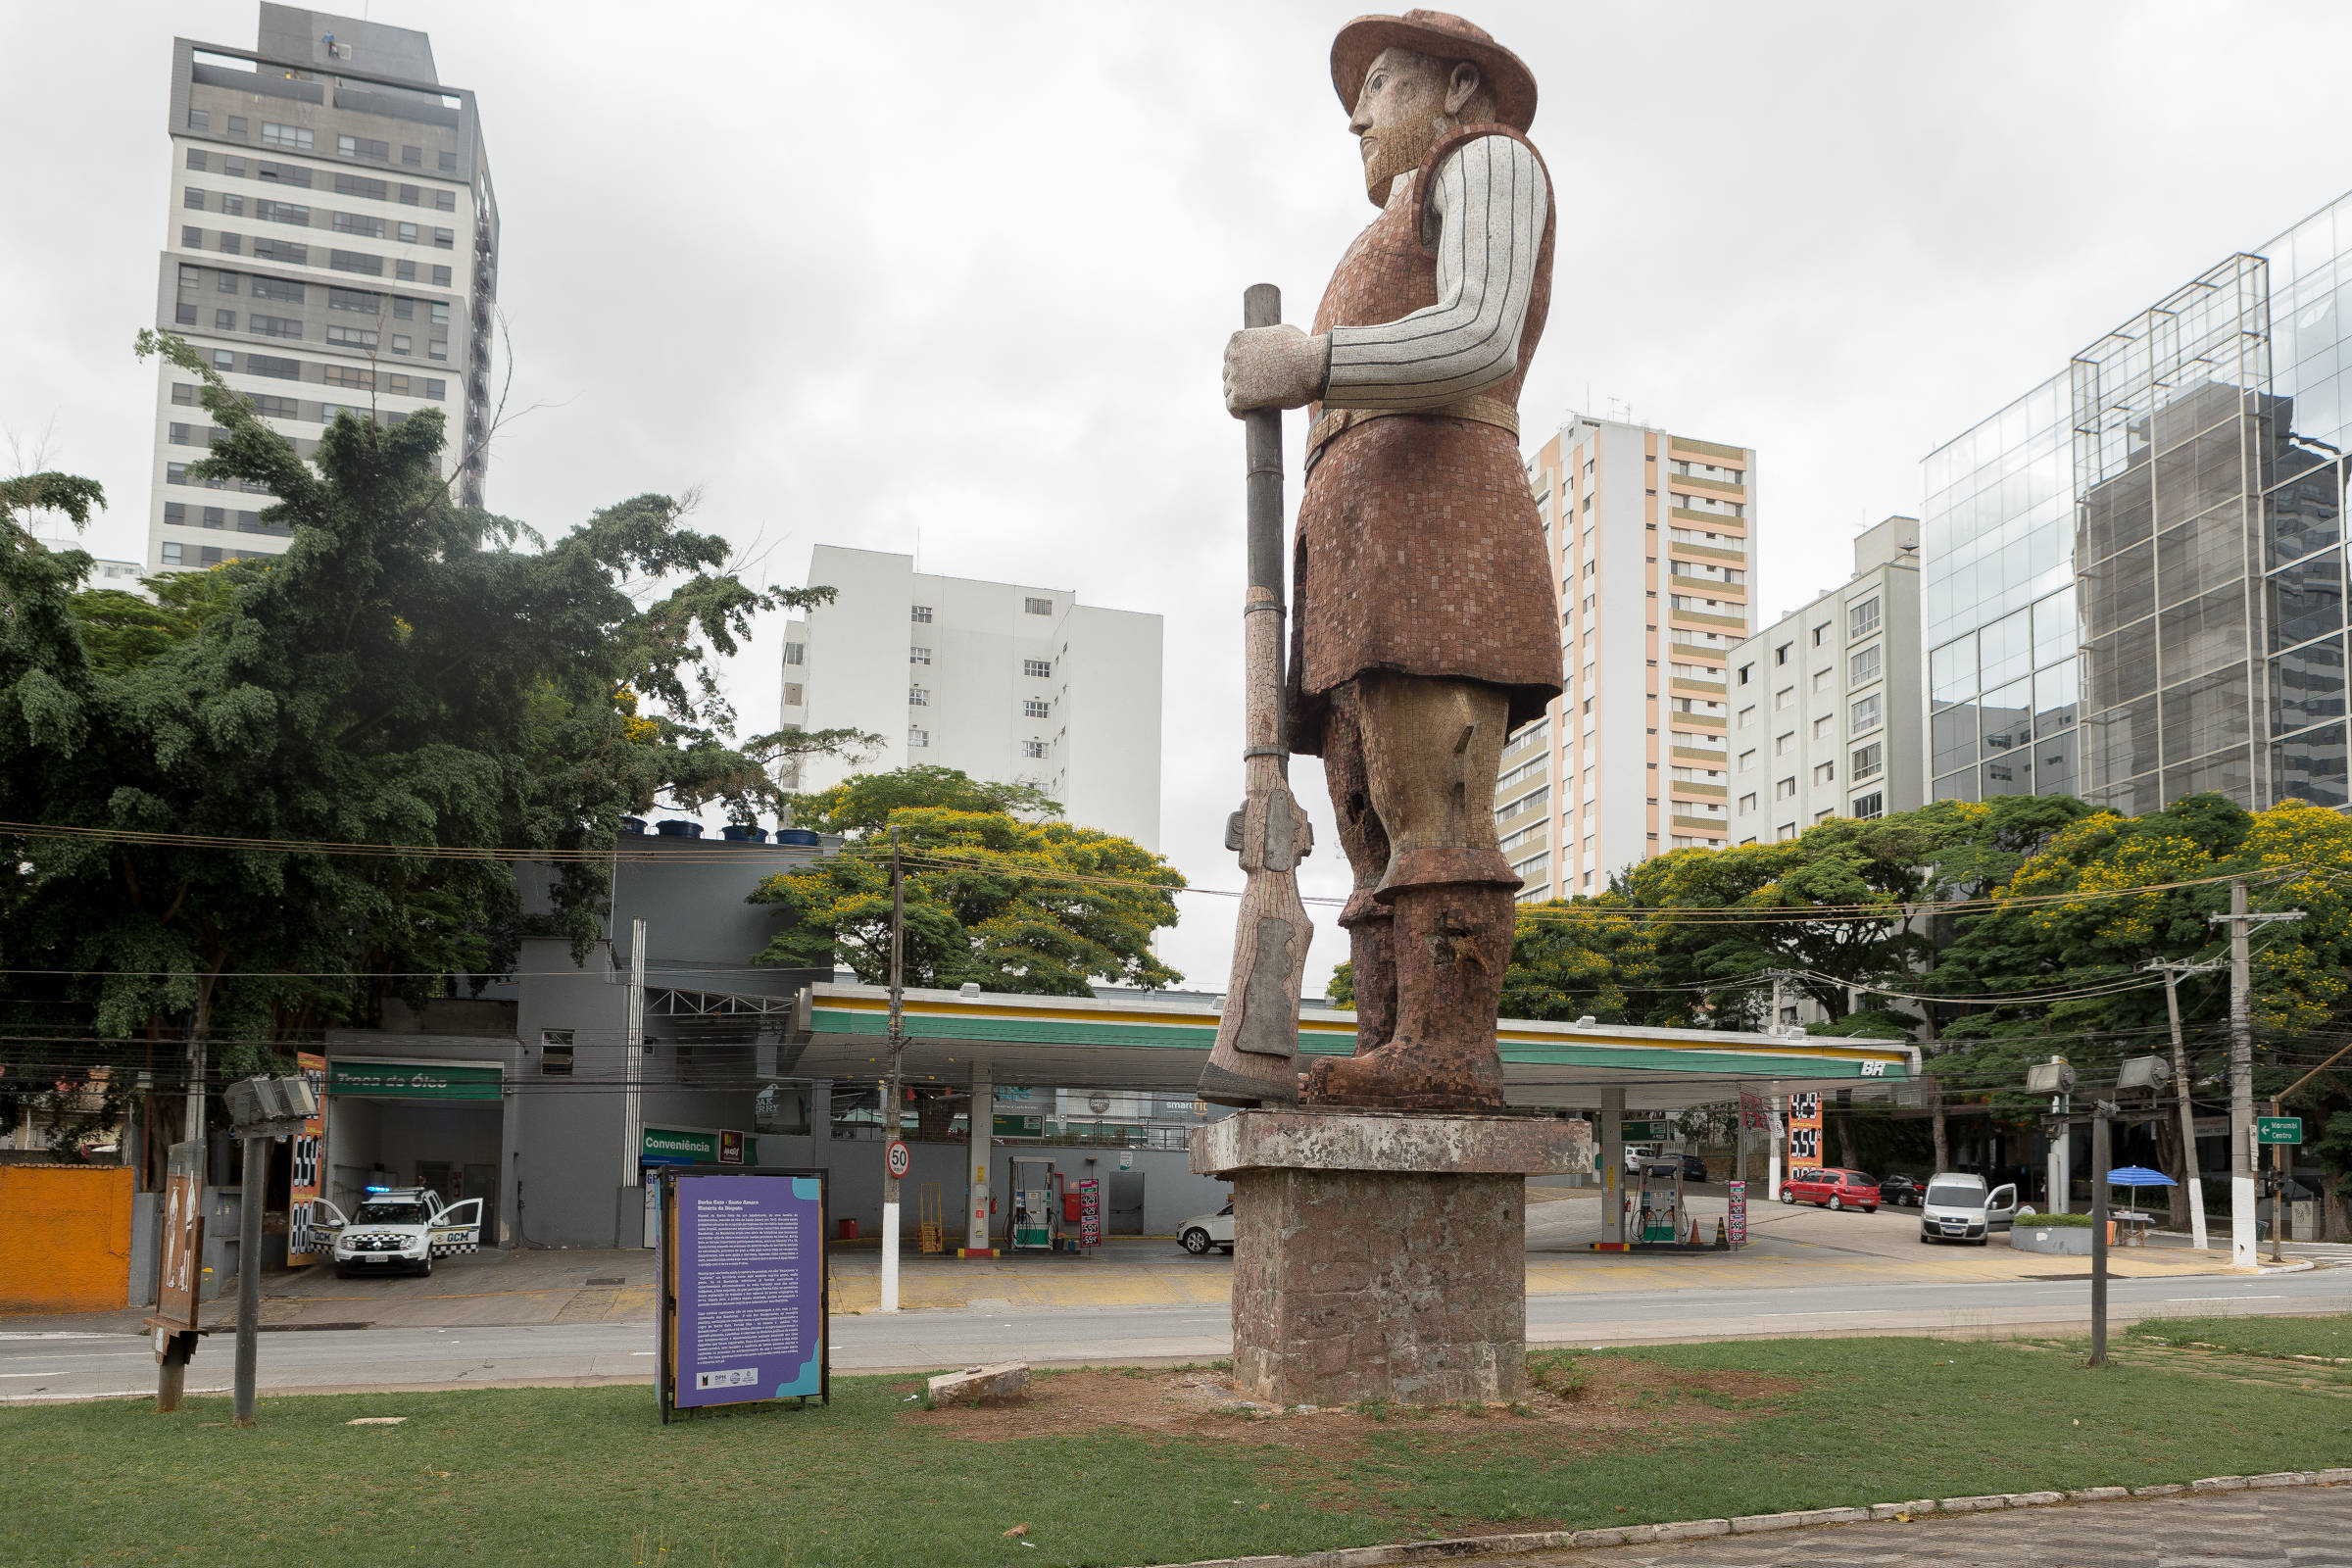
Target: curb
[1459, 1548]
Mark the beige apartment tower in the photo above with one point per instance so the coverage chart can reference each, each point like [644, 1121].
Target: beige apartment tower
[1651, 536]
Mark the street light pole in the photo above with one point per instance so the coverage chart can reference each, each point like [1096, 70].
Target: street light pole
[891, 1089]
[2100, 1110]
[2241, 1069]
[2174, 972]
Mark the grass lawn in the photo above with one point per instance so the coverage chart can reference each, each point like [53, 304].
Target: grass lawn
[2255, 1336]
[1117, 1468]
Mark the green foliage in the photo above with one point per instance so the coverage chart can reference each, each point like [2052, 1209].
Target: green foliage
[864, 801]
[400, 676]
[1016, 906]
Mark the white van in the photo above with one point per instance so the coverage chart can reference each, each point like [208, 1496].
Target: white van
[1958, 1208]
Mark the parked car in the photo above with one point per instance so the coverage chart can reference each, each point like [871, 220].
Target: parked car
[1832, 1189]
[1959, 1208]
[1901, 1191]
[1695, 1169]
[1204, 1231]
[398, 1226]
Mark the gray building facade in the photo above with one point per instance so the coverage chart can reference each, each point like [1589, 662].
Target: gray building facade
[332, 244]
[2133, 575]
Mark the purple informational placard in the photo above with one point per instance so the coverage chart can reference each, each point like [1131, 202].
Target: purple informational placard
[746, 1284]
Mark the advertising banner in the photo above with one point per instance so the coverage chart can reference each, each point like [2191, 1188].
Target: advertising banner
[1751, 1112]
[1804, 1132]
[414, 1080]
[184, 1237]
[695, 1145]
[744, 1287]
[309, 1166]
[1737, 1224]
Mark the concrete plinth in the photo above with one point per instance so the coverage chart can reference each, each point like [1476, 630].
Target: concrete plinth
[1382, 1255]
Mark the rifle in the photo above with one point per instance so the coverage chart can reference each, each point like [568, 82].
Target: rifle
[1255, 1061]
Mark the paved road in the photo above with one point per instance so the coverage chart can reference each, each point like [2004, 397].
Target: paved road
[83, 1364]
[2306, 1526]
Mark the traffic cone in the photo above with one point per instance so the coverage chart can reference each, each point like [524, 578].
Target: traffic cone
[1722, 1235]
[1694, 1241]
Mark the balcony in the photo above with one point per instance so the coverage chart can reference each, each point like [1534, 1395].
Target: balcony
[1681, 547]
[1699, 720]
[1700, 824]
[1707, 487]
[1699, 620]
[1714, 522]
[1704, 756]
[1701, 792]
[1706, 587]
[1713, 691]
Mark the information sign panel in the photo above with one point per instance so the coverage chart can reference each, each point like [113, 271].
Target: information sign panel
[1737, 1224]
[309, 1166]
[183, 1236]
[742, 1288]
[1804, 1131]
[1089, 1212]
[2279, 1129]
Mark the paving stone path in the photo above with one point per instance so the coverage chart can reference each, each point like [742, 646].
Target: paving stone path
[2302, 1527]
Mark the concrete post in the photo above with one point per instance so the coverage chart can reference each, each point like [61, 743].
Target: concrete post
[250, 1200]
[983, 1143]
[1776, 1139]
[1612, 1161]
[2241, 1086]
[2062, 1165]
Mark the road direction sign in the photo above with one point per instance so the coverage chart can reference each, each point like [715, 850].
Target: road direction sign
[900, 1158]
[2279, 1129]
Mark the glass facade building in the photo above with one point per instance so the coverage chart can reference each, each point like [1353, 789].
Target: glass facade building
[2134, 577]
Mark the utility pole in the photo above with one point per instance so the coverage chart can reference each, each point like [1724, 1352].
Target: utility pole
[891, 1089]
[2172, 973]
[2100, 1112]
[2241, 1069]
[2283, 1168]
[632, 1102]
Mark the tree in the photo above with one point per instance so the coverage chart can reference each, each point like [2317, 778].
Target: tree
[863, 802]
[1011, 906]
[402, 675]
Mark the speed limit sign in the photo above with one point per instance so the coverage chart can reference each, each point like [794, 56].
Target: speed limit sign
[900, 1159]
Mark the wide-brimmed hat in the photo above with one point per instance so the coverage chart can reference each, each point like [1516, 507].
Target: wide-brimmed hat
[1442, 36]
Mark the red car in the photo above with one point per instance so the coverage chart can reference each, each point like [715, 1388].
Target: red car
[1832, 1189]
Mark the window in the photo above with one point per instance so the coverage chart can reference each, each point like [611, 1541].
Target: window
[440, 275]
[1744, 672]
[271, 364]
[215, 516]
[350, 376]
[414, 157]
[276, 135]
[357, 262]
[435, 388]
[919, 697]
[175, 514]
[409, 195]
[917, 739]
[405, 271]
[1825, 774]
[1784, 697]
[197, 159]
[224, 320]
[444, 239]
[1784, 789]
[224, 359]
[920, 615]
[1038, 668]
[200, 119]
[1033, 747]
[796, 652]
[1747, 802]
[1031, 707]
[446, 200]
[237, 124]
[1782, 745]
[1867, 760]
[232, 207]
[918, 656]
[1864, 714]
[1865, 664]
[359, 224]
[183, 314]
[791, 694]
[226, 282]
[1862, 619]
[1037, 607]
[363, 147]
[439, 314]
[183, 393]
[1823, 726]
[273, 325]
[193, 239]
[406, 233]
[1747, 716]
[1823, 679]
[449, 163]
[281, 249]
[362, 185]
[1779, 654]
[192, 199]
[1869, 805]
[554, 1052]
[1821, 633]
[1825, 813]
[282, 174]
[273, 288]
[357, 299]
[353, 336]
[274, 407]
[1787, 830]
[293, 214]
[1747, 760]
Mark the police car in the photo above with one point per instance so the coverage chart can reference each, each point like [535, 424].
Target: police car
[398, 1228]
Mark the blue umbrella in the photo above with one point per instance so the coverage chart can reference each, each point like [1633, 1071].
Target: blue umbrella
[2139, 1176]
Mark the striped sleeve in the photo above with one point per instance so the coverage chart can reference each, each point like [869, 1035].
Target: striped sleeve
[1491, 198]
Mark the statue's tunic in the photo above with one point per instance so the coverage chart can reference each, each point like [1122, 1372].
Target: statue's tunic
[1418, 547]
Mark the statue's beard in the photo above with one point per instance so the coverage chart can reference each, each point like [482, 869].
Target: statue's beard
[1400, 150]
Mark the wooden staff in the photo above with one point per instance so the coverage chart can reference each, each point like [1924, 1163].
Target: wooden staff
[1255, 1060]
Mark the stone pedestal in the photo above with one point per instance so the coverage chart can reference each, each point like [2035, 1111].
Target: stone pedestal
[1382, 1255]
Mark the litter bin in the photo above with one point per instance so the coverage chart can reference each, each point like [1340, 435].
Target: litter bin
[848, 1230]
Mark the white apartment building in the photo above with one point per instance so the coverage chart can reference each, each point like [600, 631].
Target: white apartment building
[331, 245]
[1828, 718]
[1007, 683]
[1650, 534]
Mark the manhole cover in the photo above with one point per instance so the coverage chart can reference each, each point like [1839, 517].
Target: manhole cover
[616, 1280]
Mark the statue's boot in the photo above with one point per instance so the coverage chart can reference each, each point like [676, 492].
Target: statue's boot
[1451, 943]
[1372, 966]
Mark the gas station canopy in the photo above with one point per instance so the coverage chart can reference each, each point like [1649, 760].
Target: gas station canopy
[840, 1032]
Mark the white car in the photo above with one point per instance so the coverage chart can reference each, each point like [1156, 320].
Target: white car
[398, 1226]
[1204, 1231]
[1957, 1207]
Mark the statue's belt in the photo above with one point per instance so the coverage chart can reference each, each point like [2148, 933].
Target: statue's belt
[1486, 410]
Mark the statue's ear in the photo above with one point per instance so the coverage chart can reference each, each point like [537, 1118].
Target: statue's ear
[1461, 86]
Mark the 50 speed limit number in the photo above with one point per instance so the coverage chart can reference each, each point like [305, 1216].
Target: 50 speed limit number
[899, 1160]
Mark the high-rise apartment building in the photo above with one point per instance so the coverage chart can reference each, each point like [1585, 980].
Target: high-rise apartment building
[331, 245]
[1007, 683]
[1826, 709]
[1650, 534]
[2133, 583]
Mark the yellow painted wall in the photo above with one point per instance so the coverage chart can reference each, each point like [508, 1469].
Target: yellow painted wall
[65, 1238]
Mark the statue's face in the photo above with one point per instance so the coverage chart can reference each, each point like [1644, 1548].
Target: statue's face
[1403, 111]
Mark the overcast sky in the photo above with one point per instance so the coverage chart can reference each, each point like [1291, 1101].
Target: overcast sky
[859, 270]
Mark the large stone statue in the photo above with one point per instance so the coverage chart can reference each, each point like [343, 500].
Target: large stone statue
[1425, 623]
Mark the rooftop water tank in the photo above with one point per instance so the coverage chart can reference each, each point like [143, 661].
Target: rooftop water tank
[743, 835]
[678, 828]
[632, 824]
[805, 837]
